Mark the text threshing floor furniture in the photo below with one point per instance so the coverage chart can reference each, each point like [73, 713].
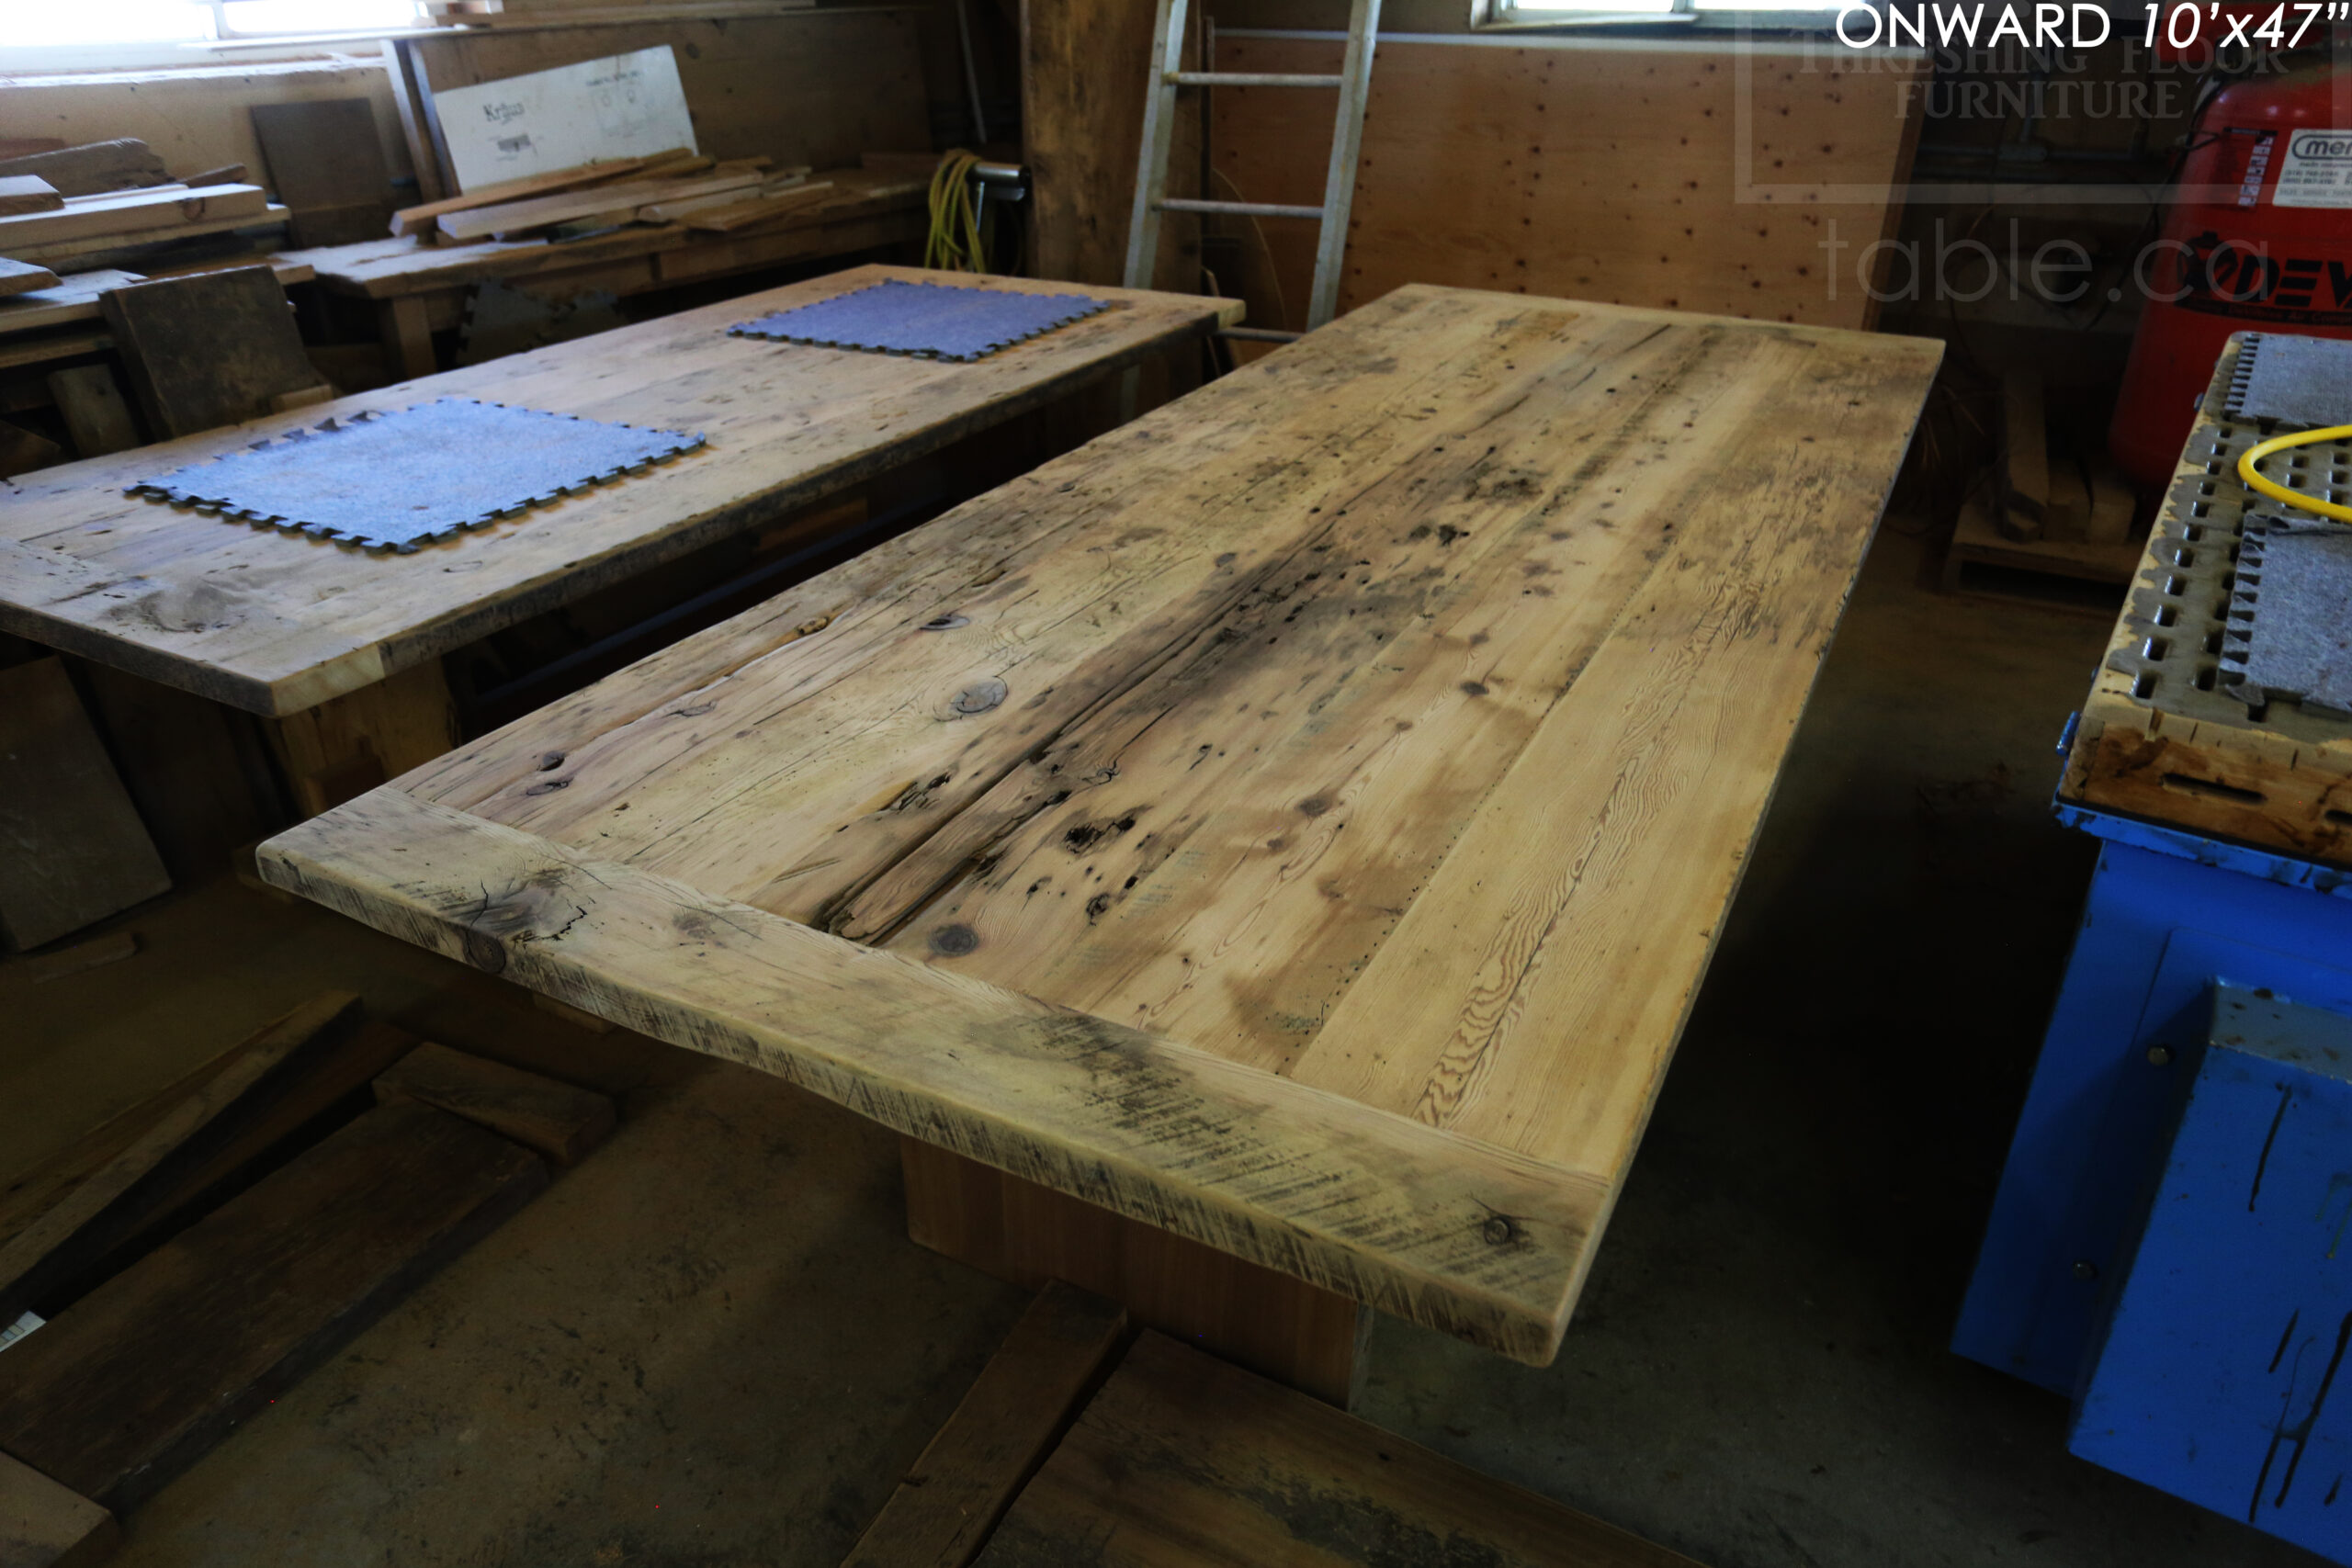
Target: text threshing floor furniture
[281, 624]
[1263, 859]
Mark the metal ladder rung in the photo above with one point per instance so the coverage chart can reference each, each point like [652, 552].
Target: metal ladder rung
[1237, 209]
[1354, 83]
[1250, 79]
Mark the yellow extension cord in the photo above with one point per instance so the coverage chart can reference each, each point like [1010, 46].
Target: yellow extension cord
[2279, 492]
[955, 244]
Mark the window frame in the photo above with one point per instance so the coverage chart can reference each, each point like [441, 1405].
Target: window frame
[38, 59]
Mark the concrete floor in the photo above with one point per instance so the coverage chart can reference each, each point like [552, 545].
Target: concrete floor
[711, 1344]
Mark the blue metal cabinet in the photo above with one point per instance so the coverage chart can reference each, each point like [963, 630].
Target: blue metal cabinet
[2218, 1373]
[2170, 916]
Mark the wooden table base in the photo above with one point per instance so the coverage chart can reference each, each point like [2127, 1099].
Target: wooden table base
[1282, 1328]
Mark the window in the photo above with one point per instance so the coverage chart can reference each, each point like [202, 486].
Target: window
[87, 26]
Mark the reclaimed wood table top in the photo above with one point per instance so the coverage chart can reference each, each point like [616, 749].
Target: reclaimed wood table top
[1298, 819]
[277, 622]
[391, 268]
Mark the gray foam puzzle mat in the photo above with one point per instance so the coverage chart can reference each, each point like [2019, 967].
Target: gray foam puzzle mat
[397, 480]
[2290, 379]
[2290, 627]
[930, 321]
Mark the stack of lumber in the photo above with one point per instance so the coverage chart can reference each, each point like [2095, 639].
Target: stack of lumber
[741, 196]
[186, 1262]
[78, 202]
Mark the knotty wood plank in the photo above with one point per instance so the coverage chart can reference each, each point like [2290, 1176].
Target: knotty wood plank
[560, 1121]
[126, 1193]
[1001, 1431]
[1393, 716]
[276, 626]
[44, 1524]
[1183, 1462]
[76, 852]
[1409, 1219]
[135, 1381]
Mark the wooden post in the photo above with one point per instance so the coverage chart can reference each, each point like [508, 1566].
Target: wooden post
[407, 330]
[348, 745]
[1281, 1327]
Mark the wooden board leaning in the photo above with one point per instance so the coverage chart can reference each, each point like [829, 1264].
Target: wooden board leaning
[2160, 736]
[1297, 822]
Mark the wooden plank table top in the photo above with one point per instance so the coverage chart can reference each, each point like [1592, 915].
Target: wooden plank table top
[277, 622]
[1298, 819]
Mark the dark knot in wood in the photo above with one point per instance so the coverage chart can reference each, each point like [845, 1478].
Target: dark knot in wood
[485, 952]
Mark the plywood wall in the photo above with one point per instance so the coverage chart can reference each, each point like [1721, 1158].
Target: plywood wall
[1589, 169]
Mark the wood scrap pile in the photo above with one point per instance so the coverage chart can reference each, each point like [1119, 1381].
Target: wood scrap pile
[77, 204]
[739, 196]
[168, 1276]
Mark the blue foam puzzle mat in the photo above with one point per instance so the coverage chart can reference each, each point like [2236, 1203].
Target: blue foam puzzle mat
[931, 320]
[396, 480]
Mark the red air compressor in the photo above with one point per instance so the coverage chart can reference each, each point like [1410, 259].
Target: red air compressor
[2258, 234]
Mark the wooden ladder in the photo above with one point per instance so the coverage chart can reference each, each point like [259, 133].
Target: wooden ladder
[1353, 82]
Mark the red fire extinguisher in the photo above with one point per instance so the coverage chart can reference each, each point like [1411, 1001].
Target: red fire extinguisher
[2257, 235]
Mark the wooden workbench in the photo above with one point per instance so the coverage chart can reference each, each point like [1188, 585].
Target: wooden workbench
[1265, 856]
[419, 289]
[2161, 736]
[280, 623]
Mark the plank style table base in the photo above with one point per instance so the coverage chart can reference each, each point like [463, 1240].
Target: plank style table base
[343, 647]
[1289, 830]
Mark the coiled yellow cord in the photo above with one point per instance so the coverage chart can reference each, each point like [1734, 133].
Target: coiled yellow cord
[955, 244]
[2279, 492]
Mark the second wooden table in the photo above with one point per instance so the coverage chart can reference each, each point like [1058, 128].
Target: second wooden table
[1268, 853]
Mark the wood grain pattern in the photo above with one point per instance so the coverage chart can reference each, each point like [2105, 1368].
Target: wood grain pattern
[1594, 169]
[1372, 1206]
[1001, 1431]
[276, 625]
[1392, 716]
[1183, 1462]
